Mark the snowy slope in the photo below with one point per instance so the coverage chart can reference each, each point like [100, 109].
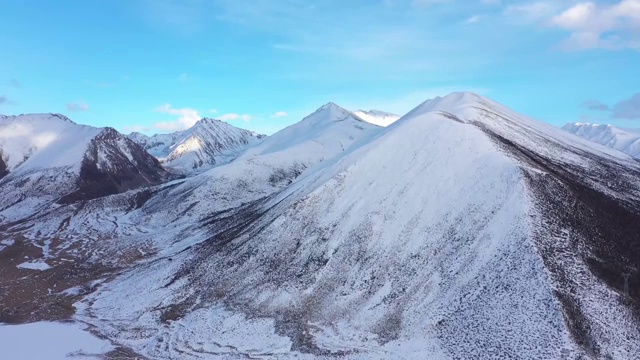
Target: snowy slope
[169, 217]
[38, 141]
[265, 168]
[377, 117]
[445, 235]
[463, 230]
[627, 141]
[208, 142]
[48, 158]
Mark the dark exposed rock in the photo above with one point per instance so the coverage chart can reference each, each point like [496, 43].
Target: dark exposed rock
[605, 229]
[114, 164]
[3, 167]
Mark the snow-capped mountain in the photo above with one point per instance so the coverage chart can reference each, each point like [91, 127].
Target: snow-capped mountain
[625, 140]
[208, 142]
[48, 158]
[377, 117]
[465, 230]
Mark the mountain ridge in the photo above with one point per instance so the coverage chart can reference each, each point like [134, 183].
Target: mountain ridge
[209, 142]
[464, 229]
[48, 158]
[624, 140]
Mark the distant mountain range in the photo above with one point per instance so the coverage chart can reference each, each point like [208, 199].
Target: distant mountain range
[208, 142]
[625, 140]
[465, 230]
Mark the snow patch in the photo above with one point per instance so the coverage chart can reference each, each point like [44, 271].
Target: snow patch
[51, 341]
[34, 265]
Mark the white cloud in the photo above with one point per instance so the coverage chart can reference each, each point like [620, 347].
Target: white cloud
[187, 118]
[279, 114]
[233, 116]
[591, 26]
[77, 106]
[422, 3]
[473, 19]
[531, 12]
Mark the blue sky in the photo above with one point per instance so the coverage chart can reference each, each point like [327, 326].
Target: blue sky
[159, 65]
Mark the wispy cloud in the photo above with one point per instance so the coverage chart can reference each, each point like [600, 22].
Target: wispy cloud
[596, 105]
[187, 117]
[279, 114]
[3, 100]
[473, 19]
[14, 83]
[77, 106]
[423, 3]
[606, 26]
[234, 116]
[530, 12]
[184, 77]
[628, 109]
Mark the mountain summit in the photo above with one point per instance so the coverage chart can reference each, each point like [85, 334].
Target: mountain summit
[208, 142]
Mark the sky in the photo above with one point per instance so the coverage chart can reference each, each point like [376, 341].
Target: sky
[160, 65]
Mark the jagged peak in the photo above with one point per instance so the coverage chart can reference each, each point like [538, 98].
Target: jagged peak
[206, 120]
[137, 135]
[109, 133]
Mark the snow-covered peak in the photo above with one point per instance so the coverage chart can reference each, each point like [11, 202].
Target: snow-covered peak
[625, 140]
[138, 137]
[467, 107]
[322, 130]
[329, 112]
[377, 117]
[454, 103]
[208, 142]
[35, 141]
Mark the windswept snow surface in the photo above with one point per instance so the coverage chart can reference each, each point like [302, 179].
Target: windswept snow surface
[625, 140]
[377, 117]
[50, 341]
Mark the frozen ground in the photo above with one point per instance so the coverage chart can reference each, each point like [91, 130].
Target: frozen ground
[50, 341]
